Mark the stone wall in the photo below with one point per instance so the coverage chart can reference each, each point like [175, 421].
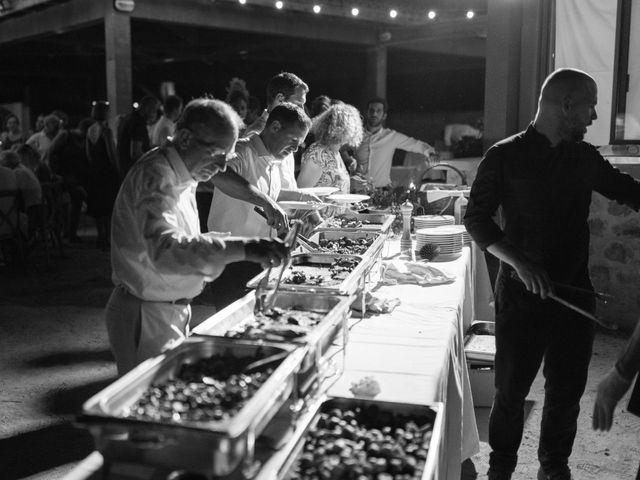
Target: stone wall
[615, 259]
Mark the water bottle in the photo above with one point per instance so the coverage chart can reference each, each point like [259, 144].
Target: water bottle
[460, 208]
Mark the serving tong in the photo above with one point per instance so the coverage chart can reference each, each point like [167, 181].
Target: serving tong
[263, 302]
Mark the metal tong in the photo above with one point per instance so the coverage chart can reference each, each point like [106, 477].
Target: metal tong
[263, 303]
[603, 296]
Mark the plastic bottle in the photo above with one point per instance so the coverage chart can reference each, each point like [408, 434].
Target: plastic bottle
[460, 208]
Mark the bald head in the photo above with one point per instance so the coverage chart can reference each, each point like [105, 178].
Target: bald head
[566, 82]
[567, 105]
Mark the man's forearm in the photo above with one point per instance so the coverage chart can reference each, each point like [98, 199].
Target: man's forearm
[628, 363]
[505, 252]
[237, 187]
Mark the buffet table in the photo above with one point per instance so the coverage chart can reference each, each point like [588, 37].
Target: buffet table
[415, 353]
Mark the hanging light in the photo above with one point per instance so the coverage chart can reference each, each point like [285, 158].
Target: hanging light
[470, 14]
[431, 14]
[317, 8]
[279, 5]
[393, 13]
[355, 11]
[242, 2]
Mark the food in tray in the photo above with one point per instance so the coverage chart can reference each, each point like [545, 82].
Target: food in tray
[342, 221]
[346, 245]
[364, 443]
[210, 389]
[277, 323]
[309, 273]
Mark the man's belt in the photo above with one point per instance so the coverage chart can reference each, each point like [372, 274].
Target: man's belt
[179, 301]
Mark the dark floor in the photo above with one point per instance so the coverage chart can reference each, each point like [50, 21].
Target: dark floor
[54, 354]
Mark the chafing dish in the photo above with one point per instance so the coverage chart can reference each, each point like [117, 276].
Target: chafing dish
[285, 464]
[377, 239]
[320, 263]
[320, 339]
[208, 447]
[376, 222]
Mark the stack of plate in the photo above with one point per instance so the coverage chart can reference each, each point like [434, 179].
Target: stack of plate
[448, 237]
[430, 221]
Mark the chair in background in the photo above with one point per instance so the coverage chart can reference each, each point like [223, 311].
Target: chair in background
[50, 221]
[12, 240]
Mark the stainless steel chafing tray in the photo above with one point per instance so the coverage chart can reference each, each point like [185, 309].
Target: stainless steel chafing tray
[373, 250]
[208, 447]
[349, 285]
[429, 418]
[318, 339]
[377, 222]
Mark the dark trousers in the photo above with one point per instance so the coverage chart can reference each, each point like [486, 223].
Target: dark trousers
[528, 330]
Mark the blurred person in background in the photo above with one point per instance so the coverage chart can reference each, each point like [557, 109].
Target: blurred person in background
[133, 136]
[375, 153]
[28, 186]
[42, 139]
[166, 126]
[68, 159]
[103, 179]
[13, 136]
[29, 158]
[238, 97]
[39, 124]
[322, 164]
[254, 110]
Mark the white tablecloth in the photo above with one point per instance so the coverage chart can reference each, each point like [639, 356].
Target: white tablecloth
[416, 354]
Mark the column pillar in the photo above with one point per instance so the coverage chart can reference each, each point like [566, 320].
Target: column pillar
[375, 73]
[117, 30]
[518, 58]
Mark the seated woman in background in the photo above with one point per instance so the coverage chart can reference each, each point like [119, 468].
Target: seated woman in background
[30, 158]
[12, 136]
[322, 165]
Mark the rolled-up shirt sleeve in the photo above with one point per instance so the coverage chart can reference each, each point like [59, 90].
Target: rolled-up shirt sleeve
[174, 244]
[484, 200]
[614, 184]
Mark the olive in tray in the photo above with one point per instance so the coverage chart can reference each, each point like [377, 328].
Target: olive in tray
[212, 388]
[310, 273]
[363, 442]
[285, 323]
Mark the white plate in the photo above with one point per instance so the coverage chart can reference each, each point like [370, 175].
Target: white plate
[319, 191]
[348, 197]
[295, 205]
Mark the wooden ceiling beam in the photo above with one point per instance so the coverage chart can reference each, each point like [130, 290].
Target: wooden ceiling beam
[55, 19]
[256, 20]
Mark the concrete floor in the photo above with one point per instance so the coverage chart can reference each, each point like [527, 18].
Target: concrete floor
[54, 354]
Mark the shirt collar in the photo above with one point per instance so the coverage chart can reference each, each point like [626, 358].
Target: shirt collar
[535, 136]
[176, 162]
[260, 148]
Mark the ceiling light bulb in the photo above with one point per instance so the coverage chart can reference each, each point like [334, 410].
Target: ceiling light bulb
[242, 2]
[431, 14]
[470, 14]
[316, 9]
[393, 13]
[355, 12]
[279, 5]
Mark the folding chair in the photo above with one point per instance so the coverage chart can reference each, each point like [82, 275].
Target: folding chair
[10, 232]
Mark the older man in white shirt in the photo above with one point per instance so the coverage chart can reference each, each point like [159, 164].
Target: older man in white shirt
[375, 153]
[160, 260]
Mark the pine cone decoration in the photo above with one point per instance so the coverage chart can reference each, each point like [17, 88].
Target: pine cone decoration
[429, 251]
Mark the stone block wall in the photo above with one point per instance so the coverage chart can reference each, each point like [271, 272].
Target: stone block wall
[615, 259]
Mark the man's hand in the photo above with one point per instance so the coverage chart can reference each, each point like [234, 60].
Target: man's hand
[276, 217]
[610, 390]
[268, 252]
[309, 197]
[535, 279]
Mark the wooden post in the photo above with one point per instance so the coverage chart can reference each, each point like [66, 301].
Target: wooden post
[376, 73]
[117, 30]
[519, 44]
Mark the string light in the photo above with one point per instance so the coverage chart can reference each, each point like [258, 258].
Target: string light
[355, 11]
[317, 8]
[393, 13]
[431, 14]
[470, 14]
[279, 5]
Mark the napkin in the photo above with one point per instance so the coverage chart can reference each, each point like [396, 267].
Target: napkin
[375, 303]
[399, 271]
